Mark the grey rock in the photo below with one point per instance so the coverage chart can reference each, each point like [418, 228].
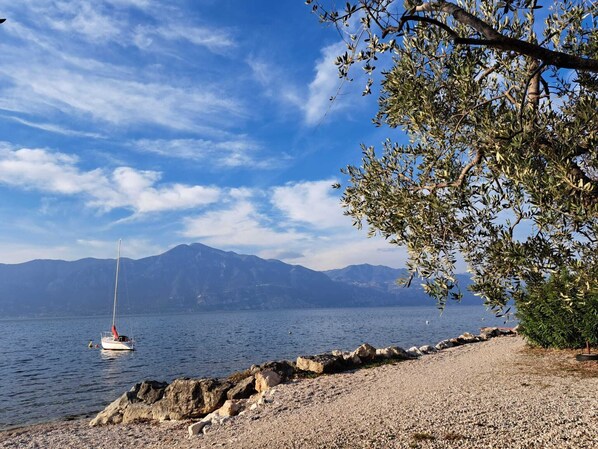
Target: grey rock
[243, 389]
[320, 363]
[149, 391]
[427, 349]
[414, 352]
[444, 344]
[190, 398]
[365, 352]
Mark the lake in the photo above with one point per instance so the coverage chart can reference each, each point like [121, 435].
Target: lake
[47, 372]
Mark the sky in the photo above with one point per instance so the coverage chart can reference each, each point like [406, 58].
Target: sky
[164, 123]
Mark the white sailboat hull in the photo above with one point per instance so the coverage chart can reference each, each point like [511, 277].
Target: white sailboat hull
[110, 343]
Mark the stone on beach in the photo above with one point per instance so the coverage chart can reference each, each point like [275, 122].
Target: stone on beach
[427, 349]
[444, 344]
[414, 352]
[320, 363]
[182, 399]
[190, 398]
[266, 379]
[231, 408]
[243, 389]
[365, 352]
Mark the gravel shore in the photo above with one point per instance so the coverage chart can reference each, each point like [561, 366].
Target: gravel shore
[494, 394]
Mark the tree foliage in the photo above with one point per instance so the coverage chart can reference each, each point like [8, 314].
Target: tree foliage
[500, 103]
[559, 313]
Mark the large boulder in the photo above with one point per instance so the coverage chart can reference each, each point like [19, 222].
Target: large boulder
[365, 352]
[444, 344]
[242, 389]
[467, 338]
[414, 352]
[266, 379]
[320, 363]
[392, 352]
[284, 368]
[157, 401]
[191, 398]
[134, 405]
[149, 391]
[427, 349]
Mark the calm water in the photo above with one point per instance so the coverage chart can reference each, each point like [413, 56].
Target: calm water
[47, 372]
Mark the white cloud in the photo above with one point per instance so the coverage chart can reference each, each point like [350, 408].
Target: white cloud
[275, 83]
[215, 40]
[124, 187]
[117, 101]
[239, 225]
[324, 85]
[55, 128]
[314, 203]
[238, 151]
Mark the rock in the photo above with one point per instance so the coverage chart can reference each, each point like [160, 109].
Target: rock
[134, 405]
[427, 349]
[266, 379]
[455, 342]
[243, 389]
[349, 359]
[467, 338]
[196, 428]
[283, 368]
[384, 353]
[490, 332]
[365, 352]
[230, 408]
[398, 353]
[113, 414]
[190, 398]
[321, 363]
[150, 391]
[414, 352]
[444, 344]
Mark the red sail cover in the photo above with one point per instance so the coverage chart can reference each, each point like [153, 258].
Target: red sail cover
[114, 332]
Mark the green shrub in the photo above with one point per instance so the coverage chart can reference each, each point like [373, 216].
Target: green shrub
[555, 313]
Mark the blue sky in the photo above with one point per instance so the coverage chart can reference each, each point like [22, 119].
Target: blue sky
[175, 122]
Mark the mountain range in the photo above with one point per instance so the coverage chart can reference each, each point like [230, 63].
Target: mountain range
[190, 278]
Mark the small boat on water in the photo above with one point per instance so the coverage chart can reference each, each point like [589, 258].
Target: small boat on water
[112, 340]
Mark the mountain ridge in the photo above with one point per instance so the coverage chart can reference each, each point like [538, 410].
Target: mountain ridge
[190, 278]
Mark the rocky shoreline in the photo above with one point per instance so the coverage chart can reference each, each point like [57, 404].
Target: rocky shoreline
[213, 400]
[494, 394]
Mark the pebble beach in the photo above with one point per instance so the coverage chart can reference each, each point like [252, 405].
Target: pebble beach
[493, 394]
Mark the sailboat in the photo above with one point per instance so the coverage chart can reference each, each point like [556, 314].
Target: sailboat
[112, 340]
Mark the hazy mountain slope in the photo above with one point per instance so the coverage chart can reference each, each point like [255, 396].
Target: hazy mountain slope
[186, 278]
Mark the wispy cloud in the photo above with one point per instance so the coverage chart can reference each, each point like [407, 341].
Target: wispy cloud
[115, 101]
[65, 59]
[123, 187]
[324, 85]
[217, 41]
[240, 151]
[275, 83]
[55, 128]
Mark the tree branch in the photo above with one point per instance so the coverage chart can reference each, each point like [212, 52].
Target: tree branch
[494, 39]
[460, 179]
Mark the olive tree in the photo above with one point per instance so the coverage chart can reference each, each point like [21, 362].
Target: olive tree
[500, 103]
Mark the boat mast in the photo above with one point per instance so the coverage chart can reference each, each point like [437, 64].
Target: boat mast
[116, 284]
